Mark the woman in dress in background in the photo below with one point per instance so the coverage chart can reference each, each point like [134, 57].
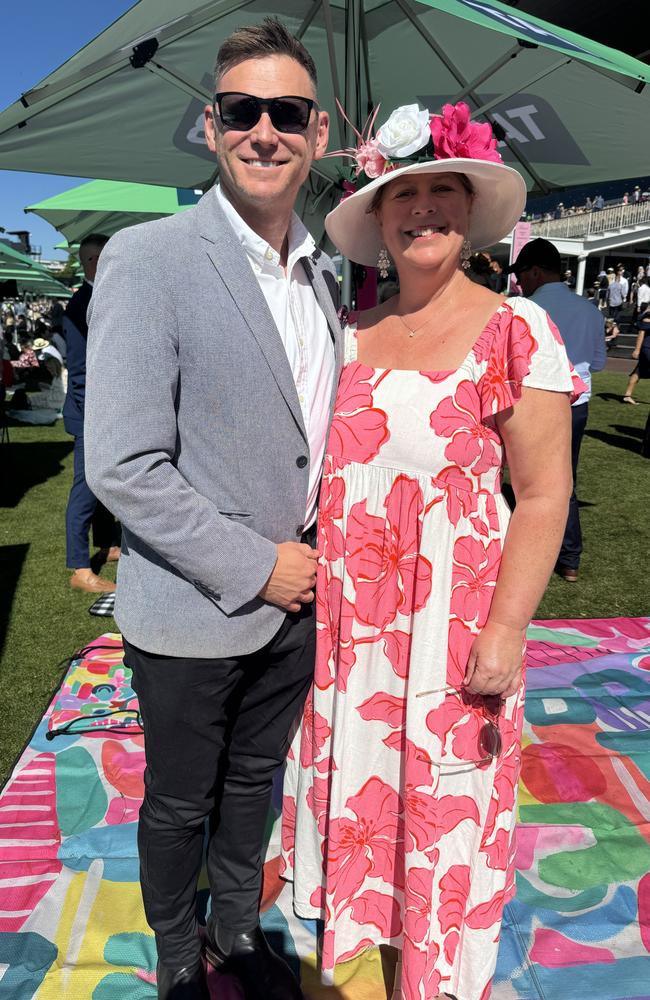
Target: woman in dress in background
[399, 800]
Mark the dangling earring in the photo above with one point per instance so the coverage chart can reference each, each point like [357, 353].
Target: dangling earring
[465, 254]
[383, 262]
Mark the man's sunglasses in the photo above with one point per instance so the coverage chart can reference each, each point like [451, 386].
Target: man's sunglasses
[243, 111]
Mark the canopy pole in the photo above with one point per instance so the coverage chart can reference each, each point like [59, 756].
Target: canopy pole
[179, 81]
[309, 17]
[460, 79]
[331, 50]
[346, 283]
[490, 71]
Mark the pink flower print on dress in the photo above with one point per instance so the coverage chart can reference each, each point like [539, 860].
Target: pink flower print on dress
[460, 490]
[390, 576]
[384, 707]
[318, 802]
[508, 364]
[370, 845]
[358, 429]
[474, 575]
[420, 978]
[335, 616]
[454, 135]
[472, 444]
[418, 903]
[330, 511]
[454, 891]
[315, 733]
[379, 909]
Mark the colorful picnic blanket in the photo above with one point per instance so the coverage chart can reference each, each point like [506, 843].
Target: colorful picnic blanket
[71, 915]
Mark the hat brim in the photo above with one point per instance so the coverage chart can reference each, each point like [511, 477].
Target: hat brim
[500, 199]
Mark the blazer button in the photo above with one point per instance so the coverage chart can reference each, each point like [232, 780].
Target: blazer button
[299, 530]
[301, 461]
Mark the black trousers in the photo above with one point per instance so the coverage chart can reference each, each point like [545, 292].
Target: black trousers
[215, 730]
[572, 542]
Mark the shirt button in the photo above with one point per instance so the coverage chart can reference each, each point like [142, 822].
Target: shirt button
[301, 461]
[301, 398]
[269, 253]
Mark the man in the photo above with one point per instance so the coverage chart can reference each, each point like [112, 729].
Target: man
[538, 269]
[209, 448]
[83, 508]
[616, 296]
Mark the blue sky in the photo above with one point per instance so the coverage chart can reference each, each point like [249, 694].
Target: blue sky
[37, 36]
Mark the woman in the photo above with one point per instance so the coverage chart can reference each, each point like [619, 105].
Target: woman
[612, 333]
[404, 778]
[641, 354]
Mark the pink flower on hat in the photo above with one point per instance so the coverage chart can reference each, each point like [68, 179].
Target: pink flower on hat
[454, 135]
[369, 159]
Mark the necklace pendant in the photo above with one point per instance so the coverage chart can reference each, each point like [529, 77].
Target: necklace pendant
[412, 333]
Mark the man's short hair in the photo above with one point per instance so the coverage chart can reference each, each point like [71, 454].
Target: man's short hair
[94, 240]
[256, 41]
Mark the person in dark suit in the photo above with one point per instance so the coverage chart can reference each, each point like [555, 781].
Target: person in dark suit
[83, 508]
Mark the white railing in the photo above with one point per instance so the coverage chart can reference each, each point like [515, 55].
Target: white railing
[592, 223]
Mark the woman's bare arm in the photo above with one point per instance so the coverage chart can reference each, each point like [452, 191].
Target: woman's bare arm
[537, 438]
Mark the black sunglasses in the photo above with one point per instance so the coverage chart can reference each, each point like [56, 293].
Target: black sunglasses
[243, 111]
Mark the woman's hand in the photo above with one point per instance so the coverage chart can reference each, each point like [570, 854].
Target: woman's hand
[496, 660]
[635, 355]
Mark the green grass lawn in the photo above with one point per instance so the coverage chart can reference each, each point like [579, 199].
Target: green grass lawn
[43, 620]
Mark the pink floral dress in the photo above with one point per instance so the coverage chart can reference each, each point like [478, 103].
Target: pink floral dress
[396, 828]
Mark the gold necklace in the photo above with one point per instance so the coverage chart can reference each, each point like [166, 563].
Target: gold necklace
[411, 331]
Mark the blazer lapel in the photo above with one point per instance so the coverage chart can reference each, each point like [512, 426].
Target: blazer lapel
[228, 257]
[326, 291]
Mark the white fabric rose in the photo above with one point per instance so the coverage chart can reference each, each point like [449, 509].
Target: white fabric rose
[406, 131]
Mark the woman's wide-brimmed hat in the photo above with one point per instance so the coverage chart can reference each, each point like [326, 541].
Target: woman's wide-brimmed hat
[413, 141]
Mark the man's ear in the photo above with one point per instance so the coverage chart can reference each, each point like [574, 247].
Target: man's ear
[210, 128]
[322, 135]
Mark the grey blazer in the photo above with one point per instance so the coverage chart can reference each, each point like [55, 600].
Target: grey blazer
[194, 435]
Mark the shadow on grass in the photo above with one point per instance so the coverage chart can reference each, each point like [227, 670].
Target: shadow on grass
[28, 464]
[627, 443]
[636, 432]
[12, 558]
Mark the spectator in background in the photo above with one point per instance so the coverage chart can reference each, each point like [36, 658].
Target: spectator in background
[588, 204]
[599, 203]
[641, 354]
[603, 285]
[497, 278]
[538, 269]
[479, 269]
[642, 295]
[83, 507]
[611, 333]
[616, 297]
[568, 279]
[626, 198]
[636, 194]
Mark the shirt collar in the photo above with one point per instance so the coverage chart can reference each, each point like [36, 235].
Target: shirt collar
[301, 243]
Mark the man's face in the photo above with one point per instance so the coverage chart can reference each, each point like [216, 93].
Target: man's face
[264, 165]
[528, 279]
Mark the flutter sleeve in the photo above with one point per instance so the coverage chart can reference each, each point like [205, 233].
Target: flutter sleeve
[526, 350]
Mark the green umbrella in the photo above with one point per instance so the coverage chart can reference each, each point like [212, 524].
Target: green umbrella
[108, 206]
[14, 258]
[37, 284]
[128, 106]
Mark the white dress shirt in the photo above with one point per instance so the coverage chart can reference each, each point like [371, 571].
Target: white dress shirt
[303, 328]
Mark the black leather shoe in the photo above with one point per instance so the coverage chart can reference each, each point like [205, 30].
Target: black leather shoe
[182, 984]
[261, 973]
